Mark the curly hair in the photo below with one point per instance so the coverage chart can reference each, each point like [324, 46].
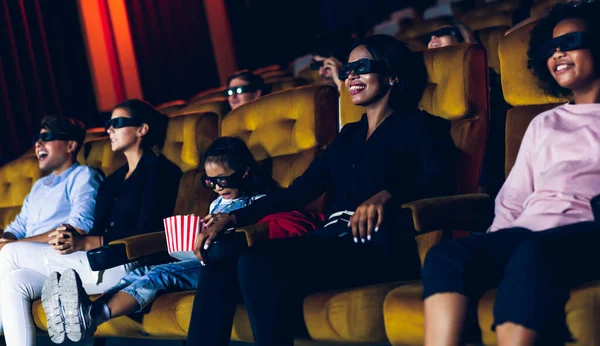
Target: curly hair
[586, 10]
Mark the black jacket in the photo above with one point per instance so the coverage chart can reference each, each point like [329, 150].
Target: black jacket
[125, 208]
[410, 155]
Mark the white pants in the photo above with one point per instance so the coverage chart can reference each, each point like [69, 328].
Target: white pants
[23, 269]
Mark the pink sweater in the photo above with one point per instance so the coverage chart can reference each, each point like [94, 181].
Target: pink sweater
[556, 173]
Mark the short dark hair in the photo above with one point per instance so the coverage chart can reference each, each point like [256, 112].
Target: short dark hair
[587, 11]
[395, 55]
[232, 152]
[248, 77]
[72, 128]
[157, 121]
[337, 44]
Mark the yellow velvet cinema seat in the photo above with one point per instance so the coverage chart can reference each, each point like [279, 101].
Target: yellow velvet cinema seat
[16, 179]
[217, 104]
[403, 306]
[456, 90]
[424, 28]
[284, 131]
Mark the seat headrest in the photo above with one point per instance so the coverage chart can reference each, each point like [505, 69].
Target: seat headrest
[505, 18]
[286, 122]
[519, 85]
[454, 84]
[17, 178]
[453, 79]
[188, 137]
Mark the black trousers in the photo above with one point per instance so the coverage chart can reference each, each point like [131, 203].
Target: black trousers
[533, 272]
[273, 278]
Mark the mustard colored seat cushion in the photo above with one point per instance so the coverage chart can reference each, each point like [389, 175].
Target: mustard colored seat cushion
[16, 179]
[167, 318]
[403, 312]
[353, 315]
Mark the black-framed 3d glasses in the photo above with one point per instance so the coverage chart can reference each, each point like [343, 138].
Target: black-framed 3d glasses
[232, 181]
[117, 123]
[447, 31]
[567, 42]
[50, 136]
[240, 90]
[362, 66]
[316, 65]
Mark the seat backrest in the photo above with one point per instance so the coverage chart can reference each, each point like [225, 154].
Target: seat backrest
[490, 40]
[188, 137]
[102, 157]
[521, 90]
[456, 90]
[16, 179]
[286, 130]
[209, 94]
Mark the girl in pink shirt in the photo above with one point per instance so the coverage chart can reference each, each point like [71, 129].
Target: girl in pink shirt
[543, 234]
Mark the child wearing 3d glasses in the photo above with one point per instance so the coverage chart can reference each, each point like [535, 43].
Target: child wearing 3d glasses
[544, 232]
[231, 172]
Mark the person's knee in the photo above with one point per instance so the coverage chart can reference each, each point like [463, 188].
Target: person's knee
[444, 257]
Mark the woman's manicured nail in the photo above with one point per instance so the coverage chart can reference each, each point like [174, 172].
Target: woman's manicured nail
[376, 229]
[356, 240]
[362, 240]
[202, 263]
[205, 246]
[369, 237]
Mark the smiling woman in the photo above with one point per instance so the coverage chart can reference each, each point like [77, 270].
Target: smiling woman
[543, 230]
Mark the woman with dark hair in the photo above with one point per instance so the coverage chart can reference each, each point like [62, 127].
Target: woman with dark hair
[244, 87]
[394, 154]
[131, 201]
[542, 235]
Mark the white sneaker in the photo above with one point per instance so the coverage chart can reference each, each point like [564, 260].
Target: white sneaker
[76, 306]
[52, 308]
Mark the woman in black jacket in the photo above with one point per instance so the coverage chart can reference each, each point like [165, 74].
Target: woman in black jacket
[394, 154]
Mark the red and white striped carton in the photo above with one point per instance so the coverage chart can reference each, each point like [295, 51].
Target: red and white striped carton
[181, 231]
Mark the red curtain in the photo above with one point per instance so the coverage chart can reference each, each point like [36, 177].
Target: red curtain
[173, 48]
[43, 70]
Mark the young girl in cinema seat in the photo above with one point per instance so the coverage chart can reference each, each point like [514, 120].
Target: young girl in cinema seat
[542, 241]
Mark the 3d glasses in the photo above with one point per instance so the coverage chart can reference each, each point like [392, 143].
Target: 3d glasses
[241, 89]
[362, 66]
[233, 181]
[117, 123]
[447, 31]
[316, 65]
[567, 42]
[51, 136]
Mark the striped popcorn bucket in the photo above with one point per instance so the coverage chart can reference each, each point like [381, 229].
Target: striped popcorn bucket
[181, 231]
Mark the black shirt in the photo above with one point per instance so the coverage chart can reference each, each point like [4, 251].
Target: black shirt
[138, 204]
[410, 155]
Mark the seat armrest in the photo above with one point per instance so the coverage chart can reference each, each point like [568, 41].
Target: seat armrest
[126, 250]
[255, 233]
[470, 212]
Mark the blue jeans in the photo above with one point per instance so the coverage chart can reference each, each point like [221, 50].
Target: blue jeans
[145, 283]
